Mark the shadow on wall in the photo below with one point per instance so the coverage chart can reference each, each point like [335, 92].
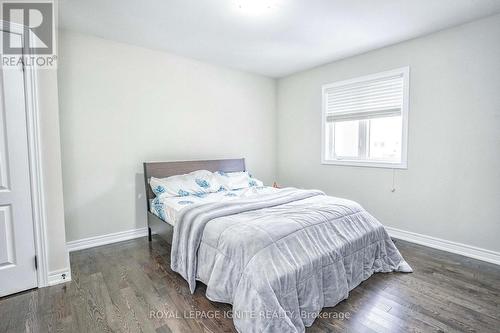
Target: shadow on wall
[140, 201]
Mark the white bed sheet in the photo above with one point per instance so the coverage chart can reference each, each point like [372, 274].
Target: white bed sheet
[167, 209]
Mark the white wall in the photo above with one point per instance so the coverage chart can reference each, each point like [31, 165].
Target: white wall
[451, 187]
[121, 105]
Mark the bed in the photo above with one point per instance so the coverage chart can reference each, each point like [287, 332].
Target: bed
[277, 255]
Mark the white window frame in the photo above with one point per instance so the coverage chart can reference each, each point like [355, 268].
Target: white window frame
[403, 164]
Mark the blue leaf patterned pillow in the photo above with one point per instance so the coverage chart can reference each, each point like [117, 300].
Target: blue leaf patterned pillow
[201, 181]
[237, 180]
[158, 190]
[183, 193]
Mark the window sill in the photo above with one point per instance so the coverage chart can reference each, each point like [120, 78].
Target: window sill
[370, 164]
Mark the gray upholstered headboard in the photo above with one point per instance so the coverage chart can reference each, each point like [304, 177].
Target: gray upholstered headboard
[167, 169]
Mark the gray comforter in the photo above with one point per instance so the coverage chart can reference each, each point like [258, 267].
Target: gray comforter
[280, 258]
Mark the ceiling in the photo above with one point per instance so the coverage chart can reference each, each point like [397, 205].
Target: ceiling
[269, 37]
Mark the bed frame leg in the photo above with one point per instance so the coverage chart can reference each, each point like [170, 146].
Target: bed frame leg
[149, 234]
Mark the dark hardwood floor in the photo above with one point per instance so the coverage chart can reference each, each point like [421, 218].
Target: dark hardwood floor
[129, 287]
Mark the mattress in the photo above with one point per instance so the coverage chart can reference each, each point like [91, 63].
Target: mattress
[169, 208]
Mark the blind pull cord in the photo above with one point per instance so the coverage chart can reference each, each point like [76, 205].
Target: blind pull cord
[393, 181]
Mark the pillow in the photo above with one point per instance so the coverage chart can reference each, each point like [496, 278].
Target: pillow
[236, 180]
[197, 183]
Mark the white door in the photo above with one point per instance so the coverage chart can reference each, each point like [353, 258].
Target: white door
[17, 249]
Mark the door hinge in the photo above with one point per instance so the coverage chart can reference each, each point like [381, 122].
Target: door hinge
[36, 262]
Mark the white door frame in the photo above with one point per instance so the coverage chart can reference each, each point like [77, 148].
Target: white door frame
[35, 161]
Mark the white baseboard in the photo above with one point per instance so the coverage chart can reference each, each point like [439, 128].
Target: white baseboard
[413, 237]
[445, 245]
[86, 243]
[59, 276]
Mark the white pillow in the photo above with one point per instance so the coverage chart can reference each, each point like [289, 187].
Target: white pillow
[236, 180]
[197, 183]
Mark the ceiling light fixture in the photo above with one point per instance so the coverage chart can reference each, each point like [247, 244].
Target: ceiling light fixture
[256, 7]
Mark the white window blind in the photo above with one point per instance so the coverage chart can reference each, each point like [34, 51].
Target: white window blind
[365, 120]
[366, 99]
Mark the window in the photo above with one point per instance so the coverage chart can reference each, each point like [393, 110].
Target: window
[365, 120]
